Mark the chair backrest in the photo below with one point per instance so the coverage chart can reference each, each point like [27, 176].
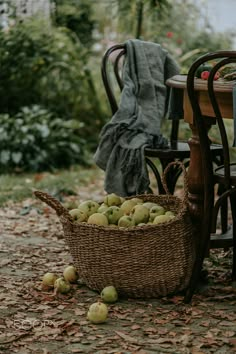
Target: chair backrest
[115, 56]
[220, 60]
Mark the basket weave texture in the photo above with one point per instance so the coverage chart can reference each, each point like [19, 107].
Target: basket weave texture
[141, 262]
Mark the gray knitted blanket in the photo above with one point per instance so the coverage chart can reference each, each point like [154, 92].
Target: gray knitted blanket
[137, 123]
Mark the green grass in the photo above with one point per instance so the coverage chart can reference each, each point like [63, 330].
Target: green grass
[17, 187]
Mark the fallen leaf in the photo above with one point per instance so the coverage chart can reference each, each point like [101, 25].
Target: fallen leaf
[226, 323]
[228, 333]
[135, 326]
[127, 337]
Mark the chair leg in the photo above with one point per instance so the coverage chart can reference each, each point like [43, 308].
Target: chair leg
[194, 279]
[156, 174]
[169, 183]
[171, 178]
[234, 254]
[233, 208]
[219, 160]
[176, 174]
[197, 268]
[223, 211]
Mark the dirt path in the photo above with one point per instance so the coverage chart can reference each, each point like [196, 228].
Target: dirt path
[34, 321]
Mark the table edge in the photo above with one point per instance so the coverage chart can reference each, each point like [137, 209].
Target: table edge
[179, 81]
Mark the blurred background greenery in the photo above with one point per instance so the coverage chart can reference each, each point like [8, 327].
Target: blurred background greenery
[52, 102]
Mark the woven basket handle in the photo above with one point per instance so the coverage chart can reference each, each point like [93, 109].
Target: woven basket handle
[185, 178]
[53, 203]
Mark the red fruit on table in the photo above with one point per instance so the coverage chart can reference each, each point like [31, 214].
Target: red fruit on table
[205, 75]
[217, 75]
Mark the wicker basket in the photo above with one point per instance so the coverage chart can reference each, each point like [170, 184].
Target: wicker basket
[141, 262]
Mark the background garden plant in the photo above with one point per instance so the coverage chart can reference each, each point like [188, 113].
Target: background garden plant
[35, 139]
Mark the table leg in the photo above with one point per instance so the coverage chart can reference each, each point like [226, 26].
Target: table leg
[195, 178]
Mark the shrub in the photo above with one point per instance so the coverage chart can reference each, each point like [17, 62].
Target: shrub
[35, 139]
[77, 16]
[35, 56]
[47, 65]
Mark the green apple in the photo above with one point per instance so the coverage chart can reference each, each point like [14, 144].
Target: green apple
[72, 204]
[89, 207]
[122, 200]
[162, 218]
[126, 221]
[62, 286]
[170, 213]
[78, 215]
[97, 313]
[140, 214]
[149, 205]
[127, 206]
[137, 200]
[49, 280]
[109, 294]
[70, 274]
[112, 199]
[103, 207]
[155, 211]
[98, 219]
[113, 214]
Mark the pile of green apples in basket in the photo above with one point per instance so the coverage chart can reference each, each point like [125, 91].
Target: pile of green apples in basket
[117, 211]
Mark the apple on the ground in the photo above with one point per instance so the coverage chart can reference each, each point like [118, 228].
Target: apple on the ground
[97, 313]
[109, 294]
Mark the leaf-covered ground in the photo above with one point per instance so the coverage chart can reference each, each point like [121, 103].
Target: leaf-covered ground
[40, 322]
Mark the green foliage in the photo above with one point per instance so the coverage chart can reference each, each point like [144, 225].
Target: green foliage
[77, 16]
[175, 25]
[47, 65]
[16, 187]
[180, 33]
[131, 14]
[35, 139]
[35, 60]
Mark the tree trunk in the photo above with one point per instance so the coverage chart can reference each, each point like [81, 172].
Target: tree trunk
[139, 19]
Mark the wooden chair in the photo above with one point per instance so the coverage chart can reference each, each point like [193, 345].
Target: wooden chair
[178, 150]
[225, 175]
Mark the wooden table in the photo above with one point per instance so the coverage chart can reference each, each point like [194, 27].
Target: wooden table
[195, 175]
